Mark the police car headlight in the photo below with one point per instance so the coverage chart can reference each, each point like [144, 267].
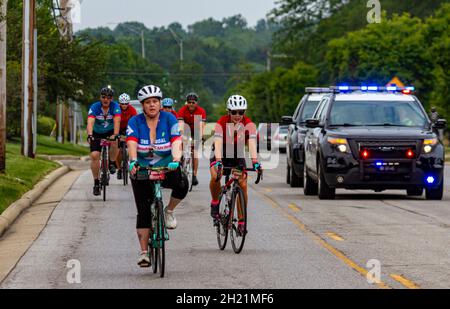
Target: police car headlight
[342, 148]
[341, 144]
[428, 144]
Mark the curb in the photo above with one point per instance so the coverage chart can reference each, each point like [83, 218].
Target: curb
[15, 209]
[61, 157]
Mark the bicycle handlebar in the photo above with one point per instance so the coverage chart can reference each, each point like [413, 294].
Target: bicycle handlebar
[259, 171]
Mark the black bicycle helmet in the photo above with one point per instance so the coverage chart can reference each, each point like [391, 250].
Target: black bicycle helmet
[107, 91]
[192, 96]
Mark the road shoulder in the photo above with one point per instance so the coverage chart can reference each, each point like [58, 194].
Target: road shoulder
[26, 229]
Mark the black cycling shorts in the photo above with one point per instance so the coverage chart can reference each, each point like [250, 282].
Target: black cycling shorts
[95, 144]
[233, 162]
[144, 194]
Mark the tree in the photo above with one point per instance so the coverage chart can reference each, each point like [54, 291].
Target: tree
[395, 47]
[438, 40]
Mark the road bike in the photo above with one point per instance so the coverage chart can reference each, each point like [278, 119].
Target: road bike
[232, 217]
[124, 152]
[104, 164]
[158, 234]
[188, 161]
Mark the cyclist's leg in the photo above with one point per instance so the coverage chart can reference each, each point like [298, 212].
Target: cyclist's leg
[243, 185]
[95, 164]
[178, 182]
[143, 196]
[113, 151]
[214, 185]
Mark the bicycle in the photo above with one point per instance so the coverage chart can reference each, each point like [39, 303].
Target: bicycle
[230, 198]
[188, 162]
[124, 167]
[158, 235]
[104, 164]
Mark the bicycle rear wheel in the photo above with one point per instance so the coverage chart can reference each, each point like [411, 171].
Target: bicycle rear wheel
[161, 239]
[222, 222]
[238, 234]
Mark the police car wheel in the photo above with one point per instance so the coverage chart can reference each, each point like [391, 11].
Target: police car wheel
[324, 191]
[415, 192]
[435, 194]
[309, 186]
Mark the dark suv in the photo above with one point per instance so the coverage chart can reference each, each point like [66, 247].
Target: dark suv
[380, 139]
[296, 134]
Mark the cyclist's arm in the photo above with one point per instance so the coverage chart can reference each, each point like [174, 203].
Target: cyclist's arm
[90, 125]
[177, 150]
[132, 150]
[252, 141]
[117, 125]
[252, 149]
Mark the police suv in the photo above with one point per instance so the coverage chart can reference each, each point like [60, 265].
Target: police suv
[297, 132]
[375, 138]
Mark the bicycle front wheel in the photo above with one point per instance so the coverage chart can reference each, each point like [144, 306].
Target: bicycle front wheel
[238, 223]
[222, 222]
[161, 239]
[104, 173]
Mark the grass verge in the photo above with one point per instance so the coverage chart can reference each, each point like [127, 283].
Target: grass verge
[21, 175]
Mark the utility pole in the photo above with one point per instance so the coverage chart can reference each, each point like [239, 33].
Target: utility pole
[143, 43]
[62, 14]
[4, 4]
[269, 57]
[180, 43]
[29, 25]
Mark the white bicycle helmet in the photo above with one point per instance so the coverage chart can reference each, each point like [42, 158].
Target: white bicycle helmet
[124, 98]
[149, 91]
[237, 102]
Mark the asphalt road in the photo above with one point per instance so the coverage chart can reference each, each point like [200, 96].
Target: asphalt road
[293, 242]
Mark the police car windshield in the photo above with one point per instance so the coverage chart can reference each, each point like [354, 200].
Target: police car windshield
[377, 113]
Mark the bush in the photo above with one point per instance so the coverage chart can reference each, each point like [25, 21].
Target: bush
[45, 125]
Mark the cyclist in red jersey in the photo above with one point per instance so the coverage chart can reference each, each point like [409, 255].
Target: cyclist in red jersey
[195, 117]
[128, 112]
[232, 133]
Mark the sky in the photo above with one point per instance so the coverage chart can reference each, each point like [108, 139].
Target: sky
[157, 13]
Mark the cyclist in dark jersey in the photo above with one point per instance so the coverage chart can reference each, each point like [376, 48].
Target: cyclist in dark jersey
[103, 122]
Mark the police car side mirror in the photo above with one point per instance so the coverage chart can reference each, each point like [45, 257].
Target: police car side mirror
[312, 123]
[287, 120]
[440, 124]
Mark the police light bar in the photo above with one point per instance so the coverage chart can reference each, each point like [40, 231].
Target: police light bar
[345, 88]
[317, 90]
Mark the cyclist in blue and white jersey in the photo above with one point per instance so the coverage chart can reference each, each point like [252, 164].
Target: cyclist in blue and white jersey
[103, 122]
[153, 140]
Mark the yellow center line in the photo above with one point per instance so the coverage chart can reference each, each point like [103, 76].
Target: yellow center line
[341, 256]
[405, 282]
[294, 208]
[268, 190]
[334, 236]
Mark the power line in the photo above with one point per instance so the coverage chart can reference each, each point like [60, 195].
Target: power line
[218, 74]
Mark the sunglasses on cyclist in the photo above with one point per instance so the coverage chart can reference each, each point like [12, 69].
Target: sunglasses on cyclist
[106, 97]
[124, 103]
[191, 102]
[234, 113]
